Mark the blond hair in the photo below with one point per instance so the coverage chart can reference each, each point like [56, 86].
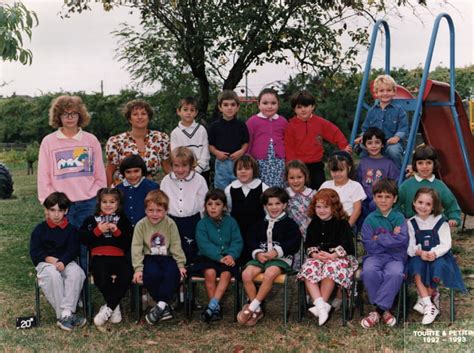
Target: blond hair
[184, 155]
[384, 80]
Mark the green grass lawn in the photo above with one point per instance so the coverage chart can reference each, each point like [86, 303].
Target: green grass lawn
[20, 214]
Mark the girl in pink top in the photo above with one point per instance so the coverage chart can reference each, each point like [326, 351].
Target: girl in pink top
[266, 132]
[70, 159]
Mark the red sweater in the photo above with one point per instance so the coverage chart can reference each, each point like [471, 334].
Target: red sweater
[304, 139]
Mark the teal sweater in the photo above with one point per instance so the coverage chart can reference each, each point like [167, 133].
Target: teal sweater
[409, 187]
[216, 240]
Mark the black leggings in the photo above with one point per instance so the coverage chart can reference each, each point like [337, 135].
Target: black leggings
[113, 288]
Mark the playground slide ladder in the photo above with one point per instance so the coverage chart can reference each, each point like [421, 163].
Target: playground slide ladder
[419, 100]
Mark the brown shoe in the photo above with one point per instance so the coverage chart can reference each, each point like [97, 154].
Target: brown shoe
[256, 316]
[244, 315]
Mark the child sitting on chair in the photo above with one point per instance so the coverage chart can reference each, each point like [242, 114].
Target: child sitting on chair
[54, 245]
[276, 240]
[385, 238]
[219, 246]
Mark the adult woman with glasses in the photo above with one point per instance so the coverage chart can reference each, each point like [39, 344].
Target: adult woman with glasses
[70, 159]
[151, 145]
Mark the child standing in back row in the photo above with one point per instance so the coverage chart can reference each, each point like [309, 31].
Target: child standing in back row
[191, 134]
[108, 235]
[305, 135]
[228, 138]
[389, 117]
[266, 132]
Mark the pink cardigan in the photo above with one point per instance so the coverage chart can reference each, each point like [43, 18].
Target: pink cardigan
[261, 130]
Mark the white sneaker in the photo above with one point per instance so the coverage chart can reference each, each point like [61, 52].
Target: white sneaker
[324, 313]
[102, 316]
[336, 303]
[116, 316]
[314, 310]
[430, 314]
[419, 306]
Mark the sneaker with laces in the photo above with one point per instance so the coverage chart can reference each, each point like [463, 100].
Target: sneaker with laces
[154, 315]
[388, 319]
[78, 321]
[419, 307]
[431, 311]
[103, 315]
[314, 310]
[336, 303]
[116, 316]
[371, 320]
[167, 313]
[435, 298]
[66, 323]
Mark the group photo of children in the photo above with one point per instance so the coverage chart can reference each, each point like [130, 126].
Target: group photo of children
[241, 198]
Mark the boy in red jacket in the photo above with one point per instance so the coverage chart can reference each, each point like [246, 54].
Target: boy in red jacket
[304, 137]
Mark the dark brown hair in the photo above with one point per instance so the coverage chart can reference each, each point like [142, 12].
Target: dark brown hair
[57, 198]
[247, 162]
[227, 95]
[297, 164]
[188, 101]
[385, 185]
[425, 152]
[437, 206]
[117, 193]
[137, 104]
[304, 98]
[268, 91]
[277, 192]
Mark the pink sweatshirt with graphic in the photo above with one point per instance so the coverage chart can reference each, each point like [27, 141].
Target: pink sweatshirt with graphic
[70, 165]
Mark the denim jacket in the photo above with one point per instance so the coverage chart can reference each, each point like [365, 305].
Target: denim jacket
[392, 120]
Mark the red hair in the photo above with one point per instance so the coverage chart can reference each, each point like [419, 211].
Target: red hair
[330, 198]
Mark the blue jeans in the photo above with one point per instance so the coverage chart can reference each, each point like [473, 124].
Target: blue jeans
[77, 213]
[223, 173]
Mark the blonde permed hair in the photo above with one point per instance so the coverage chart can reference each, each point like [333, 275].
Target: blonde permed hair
[384, 80]
[66, 102]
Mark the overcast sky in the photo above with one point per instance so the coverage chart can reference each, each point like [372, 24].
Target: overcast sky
[76, 54]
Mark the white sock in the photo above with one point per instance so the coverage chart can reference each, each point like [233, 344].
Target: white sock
[318, 300]
[426, 300]
[161, 305]
[254, 305]
[66, 313]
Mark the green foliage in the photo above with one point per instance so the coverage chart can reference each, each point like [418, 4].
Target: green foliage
[206, 43]
[15, 21]
[31, 152]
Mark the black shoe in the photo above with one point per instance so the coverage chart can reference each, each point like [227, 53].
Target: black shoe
[216, 315]
[206, 315]
[167, 313]
[154, 315]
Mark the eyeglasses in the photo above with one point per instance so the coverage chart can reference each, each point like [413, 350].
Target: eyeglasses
[71, 115]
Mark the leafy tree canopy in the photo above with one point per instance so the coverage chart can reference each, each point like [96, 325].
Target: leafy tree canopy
[15, 21]
[217, 41]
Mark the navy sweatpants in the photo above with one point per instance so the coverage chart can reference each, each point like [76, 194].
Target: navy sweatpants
[161, 277]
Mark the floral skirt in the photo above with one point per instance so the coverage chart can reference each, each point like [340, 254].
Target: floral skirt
[340, 270]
